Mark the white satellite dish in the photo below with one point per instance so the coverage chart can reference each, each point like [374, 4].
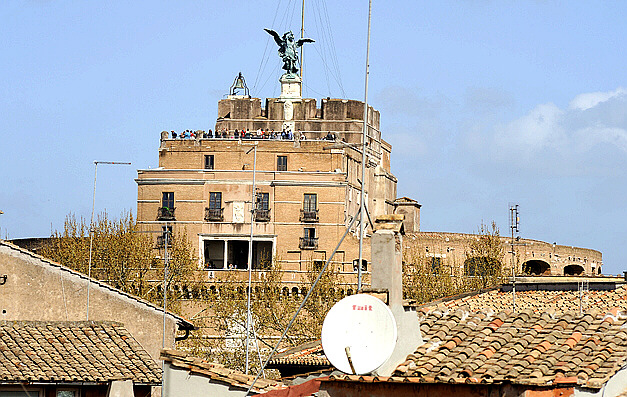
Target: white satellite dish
[359, 334]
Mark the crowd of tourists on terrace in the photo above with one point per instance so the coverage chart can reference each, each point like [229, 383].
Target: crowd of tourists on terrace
[246, 134]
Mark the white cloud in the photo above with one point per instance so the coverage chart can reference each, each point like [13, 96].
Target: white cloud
[539, 129]
[556, 140]
[592, 99]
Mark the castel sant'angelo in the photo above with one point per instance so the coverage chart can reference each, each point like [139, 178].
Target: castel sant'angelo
[304, 159]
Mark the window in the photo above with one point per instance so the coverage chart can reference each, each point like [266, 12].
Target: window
[263, 201]
[67, 393]
[309, 233]
[167, 200]
[215, 200]
[309, 240]
[161, 239]
[364, 265]
[281, 163]
[19, 393]
[262, 207]
[209, 161]
[310, 202]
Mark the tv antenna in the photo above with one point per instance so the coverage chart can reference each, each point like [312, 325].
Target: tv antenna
[514, 220]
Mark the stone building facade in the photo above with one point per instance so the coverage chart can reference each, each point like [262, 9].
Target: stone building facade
[307, 187]
[532, 257]
[307, 191]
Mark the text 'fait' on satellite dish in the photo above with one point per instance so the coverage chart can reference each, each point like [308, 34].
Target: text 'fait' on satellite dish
[359, 334]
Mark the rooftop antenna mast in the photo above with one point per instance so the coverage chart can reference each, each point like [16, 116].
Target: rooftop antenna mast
[363, 157]
[302, 34]
[91, 225]
[253, 208]
[514, 220]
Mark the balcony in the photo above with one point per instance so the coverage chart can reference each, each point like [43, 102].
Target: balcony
[214, 214]
[308, 243]
[308, 216]
[165, 214]
[262, 215]
[161, 241]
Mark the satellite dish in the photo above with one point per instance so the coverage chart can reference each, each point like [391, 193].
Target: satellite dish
[359, 334]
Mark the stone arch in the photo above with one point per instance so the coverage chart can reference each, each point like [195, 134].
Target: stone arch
[295, 292]
[537, 267]
[573, 270]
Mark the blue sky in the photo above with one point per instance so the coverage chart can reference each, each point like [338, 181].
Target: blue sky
[485, 102]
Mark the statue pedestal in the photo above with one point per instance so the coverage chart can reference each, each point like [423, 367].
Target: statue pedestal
[291, 91]
[290, 86]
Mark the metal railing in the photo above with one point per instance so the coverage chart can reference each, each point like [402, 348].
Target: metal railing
[308, 216]
[214, 214]
[161, 241]
[165, 214]
[262, 215]
[308, 243]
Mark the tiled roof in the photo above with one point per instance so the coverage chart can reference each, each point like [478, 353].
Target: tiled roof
[218, 372]
[558, 300]
[72, 352]
[523, 348]
[307, 354]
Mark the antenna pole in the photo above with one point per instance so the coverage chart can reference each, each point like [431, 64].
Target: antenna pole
[250, 258]
[302, 304]
[363, 157]
[302, 34]
[513, 225]
[91, 226]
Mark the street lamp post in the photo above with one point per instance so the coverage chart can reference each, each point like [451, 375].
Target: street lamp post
[91, 224]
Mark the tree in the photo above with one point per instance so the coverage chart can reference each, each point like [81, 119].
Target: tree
[427, 278]
[122, 256]
[484, 257]
[273, 304]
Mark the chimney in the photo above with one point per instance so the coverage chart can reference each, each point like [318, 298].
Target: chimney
[386, 251]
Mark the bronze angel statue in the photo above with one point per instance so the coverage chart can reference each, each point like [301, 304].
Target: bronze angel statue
[288, 49]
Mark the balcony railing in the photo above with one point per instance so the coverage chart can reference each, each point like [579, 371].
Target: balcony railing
[262, 215]
[165, 214]
[161, 241]
[308, 243]
[214, 214]
[308, 216]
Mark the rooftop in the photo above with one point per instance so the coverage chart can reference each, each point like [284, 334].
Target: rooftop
[522, 348]
[543, 294]
[217, 372]
[66, 351]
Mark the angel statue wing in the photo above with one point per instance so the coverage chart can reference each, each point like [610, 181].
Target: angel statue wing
[300, 42]
[276, 36]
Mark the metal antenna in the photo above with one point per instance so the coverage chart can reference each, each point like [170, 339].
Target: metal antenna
[363, 156]
[302, 304]
[302, 34]
[250, 255]
[513, 225]
[91, 226]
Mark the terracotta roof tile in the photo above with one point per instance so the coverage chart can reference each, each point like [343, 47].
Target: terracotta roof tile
[72, 352]
[516, 351]
[307, 354]
[218, 371]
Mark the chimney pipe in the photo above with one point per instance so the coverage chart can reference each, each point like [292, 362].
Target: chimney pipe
[386, 247]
